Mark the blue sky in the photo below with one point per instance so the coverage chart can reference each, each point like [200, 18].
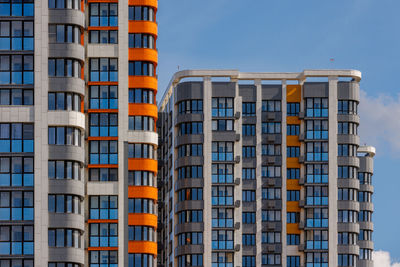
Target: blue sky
[283, 35]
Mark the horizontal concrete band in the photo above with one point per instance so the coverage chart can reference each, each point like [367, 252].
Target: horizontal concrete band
[349, 227]
[189, 205]
[366, 188]
[147, 137]
[67, 84]
[66, 153]
[348, 139]
[366, 225]
[189, 182]
[348, 249]
[189, 139]
[365, 244]
[348, 183]
[67, 50]
[188, 118]
[67, 220]
[271, 248]
[17, 114]
[349, 118]
[367, 206]
[67, 16]
[348, 205]
[365, 263]
[348, 161]
[67, 255]
[66, 118]
[188, 161]
[189, 249]
[189, 227]
[66, 186]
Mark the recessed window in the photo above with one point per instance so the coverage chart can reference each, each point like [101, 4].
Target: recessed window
[16, 35]
[103, 14]
[62, 67]
[141, 13]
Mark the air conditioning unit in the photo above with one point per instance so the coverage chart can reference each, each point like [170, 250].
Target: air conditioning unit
[301, 115]
[237, 181]
[301, 159]
[302, 203]
[237, 203]
[237, 115]
[237, 159]
[237, 137]
[237, 225]
[237, 247]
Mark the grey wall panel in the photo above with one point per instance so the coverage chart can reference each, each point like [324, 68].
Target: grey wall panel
[348, 139]
[271, 91]
[67, 16]
[349, 91]
[348, 183]
[249, 163]
[348, 249]
[249, 141]
[248, 93]
[224, 136]
[67, 220]
[272, 204]
[189, 90]
[188, 118]
[67, 255]
[367, 206]
[249, 206]
[365, 244]
[67, 50]
[249, 184]
[66, 153]
[189, 227]
[272, 138]
[189, 205]
[349, 227]
[271, 248]
[367, 188]
[315, 89]
[271, 226]
[366, 164]
[67, 84]
[249, 228]
[249, 120]
[223, 89]
[366, 225]
[187, 161]
[186, 183]
[249, 251]
[189, 139]
[348, 118]
[66, 186]
[189, 249]
[348, 205]
[348, 161]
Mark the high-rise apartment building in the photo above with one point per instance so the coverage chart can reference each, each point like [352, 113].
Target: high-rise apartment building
[77, 133]
[264, 169]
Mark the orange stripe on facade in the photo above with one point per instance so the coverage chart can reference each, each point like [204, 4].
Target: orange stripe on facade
[146, 247]
[149, 27]
[292, 163]
[292, 184]
[102, 28]
[143, 54]
[292, 120]
[101, 221]
[142, 219]
[293, 93]
[143, 192]
[102, 83]
[102, 248]
[292, 228]
[102, 138]
[99, 166]
[292, 206]
[143, 110]
[142, 165]
[102, 111]
[102, 1]
[292, 140]
[143, 82]
[152, 3]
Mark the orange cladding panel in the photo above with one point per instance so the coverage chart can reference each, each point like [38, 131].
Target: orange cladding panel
[293, 93]
[152, 3]
[142, 192]
[142, 219]
[142, 165]
[292, 206]
[143, 54]
[146, 247]
[143, 110]
[292, 228]
[292, 163]
[292, 140]
[292, 120]
[143, 82]
[292, 184]
[143, 27]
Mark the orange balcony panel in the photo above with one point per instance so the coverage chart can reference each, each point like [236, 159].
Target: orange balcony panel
[142, 165]
[292, 228]
[142, 192]
[102, 83]
[146, 247]
[292, 140]
[292, 120]
[292, 184]
[143, 110]
[102, 248]
[142, 219]
[152, 3]
[144, 54]
[292, 206]
[292, 163]
[293, 93]
[95, 166]
[143, 82]
[149, 27]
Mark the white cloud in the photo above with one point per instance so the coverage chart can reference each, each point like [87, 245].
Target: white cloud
[382, 259]
[380, 124]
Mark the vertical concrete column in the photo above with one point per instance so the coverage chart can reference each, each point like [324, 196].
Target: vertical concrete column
[283, 173]
[333, 191]
[207, 131]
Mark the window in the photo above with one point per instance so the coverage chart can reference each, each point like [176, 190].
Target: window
[347, 194]
[271, 237]
[271, 150]
[141, 123]
[365, 177]
[16, 240]
[293, 109]
[249, 217]
[16, 97]
[68, 136]
[248, 173]
[141, 68]
[141, 205]
[62, 169]
[222, 173]
[271, 259]
[317, 217]
[317, 151]
[271, 171]
[293, 173]
[141, 96]
[249, 129]
[222, 217]
[65, 101]
[16, 171]
[249, 151]
[190, 107]
[271, 215]
[62, 67]
[293, 129]
[103, 258]
[364, 196]
[141, 233]
[103, 235]
[191, 238]
[141, 260]
[293, 151]
[190, 216]
[248, 108]
[317, 107]
[65, 204]
[293, 217]
[317, 239]
[16, 137]
[103, 174]
[248, 261]
[141, 40]
[346, 150]
[271, 128]
[345, 238]
[317, 173]
[222, 259]
[143, 151]
[222, 151]
[191, 150]
[316, 259]
[364, 216]
[64, 237]
[103, 207]
[347, 128]
[248, 195]
[293, 239]
[103, 152]
[222, 195]
[347, 260]
[64, 34]
[222, 125]
[103, 14]
[190, 194]
[16, 69]
[103, 37]
[16, 35]
[103, 69]
[222, 107]
[365, 235]
[347, 172]
[190, 172]
[190, 128]
[141, 13]
[140, 178]
[61, 4]
[317, 129]
[103, 124]
[293, 195]
[16, 205]
[293, 261]
[271, 105]
[317, 195]
[348, 216]
[248, 239]
[271, 193]
[190, 260]
[62, 264]
[9, 8]
[222, 239]
[365, 254]
[347, 107]
[103, 97]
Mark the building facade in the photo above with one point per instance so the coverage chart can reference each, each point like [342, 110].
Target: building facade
[263, 169]
[78, 137]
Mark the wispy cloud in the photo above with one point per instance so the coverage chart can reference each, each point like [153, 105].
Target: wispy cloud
[382, 259]
[380, 125]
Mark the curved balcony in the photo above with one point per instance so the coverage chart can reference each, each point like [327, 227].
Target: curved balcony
[348, 183]
[67, 186]
[67, 220]
[348, 139]
[143, 219]
[189, 182]
[143, 137]
[143, 110]
[151, 3]
[67, 16]
[189, 249]
[348, 249]
[348, 161]
[349, 227]
[143, 54]
[66, 118]
[142, 192]
[67, 84]
[75, 153]
[148, 82]
[67, 255]
[145, 247]
[189, 205]
[349, 118]
[348, 205]
[189, 227]
[149, 27]
[67, 50]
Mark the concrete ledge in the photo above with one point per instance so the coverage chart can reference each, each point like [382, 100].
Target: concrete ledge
[67, 50]
[67, 220]
[367, 188]
[66, 186]
[67, 84]
[348, 205]
[349, 118]
[348, 161]
[348, 183]
[66, 118]
[67, 16]
[366, 225]
[365, 244]
[143, 137]
[349, 227]
[57, 152]
[249, 250]
[189, 227]
[17, 114]
[102, 188]
[367, 206]
[348, 139]
[348, 249]
[189, 205]
[67, 255]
